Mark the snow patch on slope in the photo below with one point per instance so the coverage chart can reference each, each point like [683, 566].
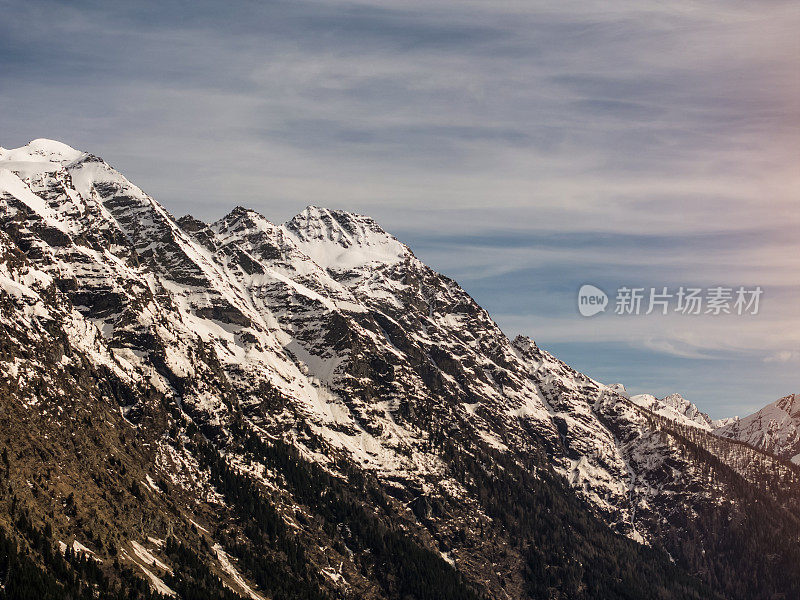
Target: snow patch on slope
[158, 585]
[145, 555]
[228, 567]
[12, 185]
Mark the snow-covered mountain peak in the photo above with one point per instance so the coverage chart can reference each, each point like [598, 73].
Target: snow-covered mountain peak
[620, 389]
[775, 428]
[241, 219]
[42, 150]
[259, 236]
[242, 213]
[343, 241]
[675, 407]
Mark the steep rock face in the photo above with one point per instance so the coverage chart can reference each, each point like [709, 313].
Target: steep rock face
[774, 429]
[449, 348]
[323, 355]
[618, 452]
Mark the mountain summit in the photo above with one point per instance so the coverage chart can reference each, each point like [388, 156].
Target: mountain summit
[307, 410]
[775, 428]
[342, 241]
[42, 150]
[677, 408]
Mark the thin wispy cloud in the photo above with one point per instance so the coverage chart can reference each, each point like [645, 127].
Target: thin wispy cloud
[522, 147]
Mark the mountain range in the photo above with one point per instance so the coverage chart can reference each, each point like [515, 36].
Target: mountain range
[306, 410]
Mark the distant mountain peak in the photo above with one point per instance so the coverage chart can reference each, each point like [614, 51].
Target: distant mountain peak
[675, 407]
[620, 389]
[241, 211]
[775, 428]
[42, 150]
[243, 218]
[342, 241]
[345, 228]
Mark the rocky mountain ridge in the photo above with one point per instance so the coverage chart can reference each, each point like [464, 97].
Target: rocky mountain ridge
[314, 395]
[774, 428]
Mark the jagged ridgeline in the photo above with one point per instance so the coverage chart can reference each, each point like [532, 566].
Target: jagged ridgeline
[306, 410]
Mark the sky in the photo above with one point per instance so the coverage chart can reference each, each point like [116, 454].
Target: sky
[524, 148]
